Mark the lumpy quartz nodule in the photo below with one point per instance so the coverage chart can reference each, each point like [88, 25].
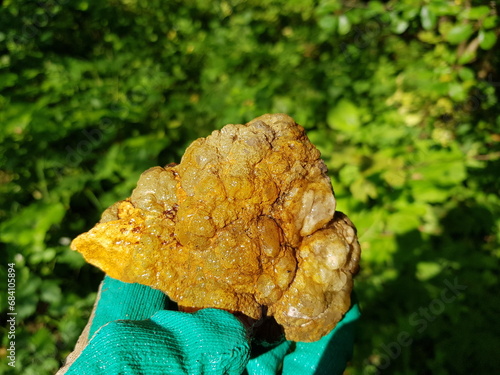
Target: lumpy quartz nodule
[246, 222]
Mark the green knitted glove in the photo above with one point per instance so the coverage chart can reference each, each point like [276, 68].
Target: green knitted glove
[131, 331]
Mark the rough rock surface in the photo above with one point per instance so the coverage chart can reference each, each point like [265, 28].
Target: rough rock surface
[246, 222]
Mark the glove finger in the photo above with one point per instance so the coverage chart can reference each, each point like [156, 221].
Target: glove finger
[209, 341]
[124, 301]
[329, 355]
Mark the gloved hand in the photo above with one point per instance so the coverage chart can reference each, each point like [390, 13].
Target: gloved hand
[132, 331]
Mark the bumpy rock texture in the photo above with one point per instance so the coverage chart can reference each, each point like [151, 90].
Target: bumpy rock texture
[246, 222]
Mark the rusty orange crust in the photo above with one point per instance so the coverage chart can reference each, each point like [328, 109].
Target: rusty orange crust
[246, 220]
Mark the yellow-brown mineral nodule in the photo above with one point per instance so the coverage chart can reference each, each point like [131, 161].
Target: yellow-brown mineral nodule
[246, 222]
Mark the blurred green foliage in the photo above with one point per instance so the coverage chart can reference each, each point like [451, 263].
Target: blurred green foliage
[401, 97]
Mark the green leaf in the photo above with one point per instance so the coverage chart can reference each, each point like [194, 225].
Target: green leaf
[363, 189]
[490, 22]
[344, 117]
[428, 18]
[344, 25]
[72, 258]
[50, 292]
[427, 270]
[45, 256]
[15, 118]
[376, 6]
[468, 56]
[466, 74]
[429, 37]
[443, 172]
[401, 222]
[30, 225]
[487, 39]
[457, 92]
[283, 104]
[426, 191]
[459, 33]
[42, 340]
[83, 5]
[7, 80]
[328, 7]
[399, 25]
[444, 8]
[328, 23]
[476, 12]
[349, 174]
